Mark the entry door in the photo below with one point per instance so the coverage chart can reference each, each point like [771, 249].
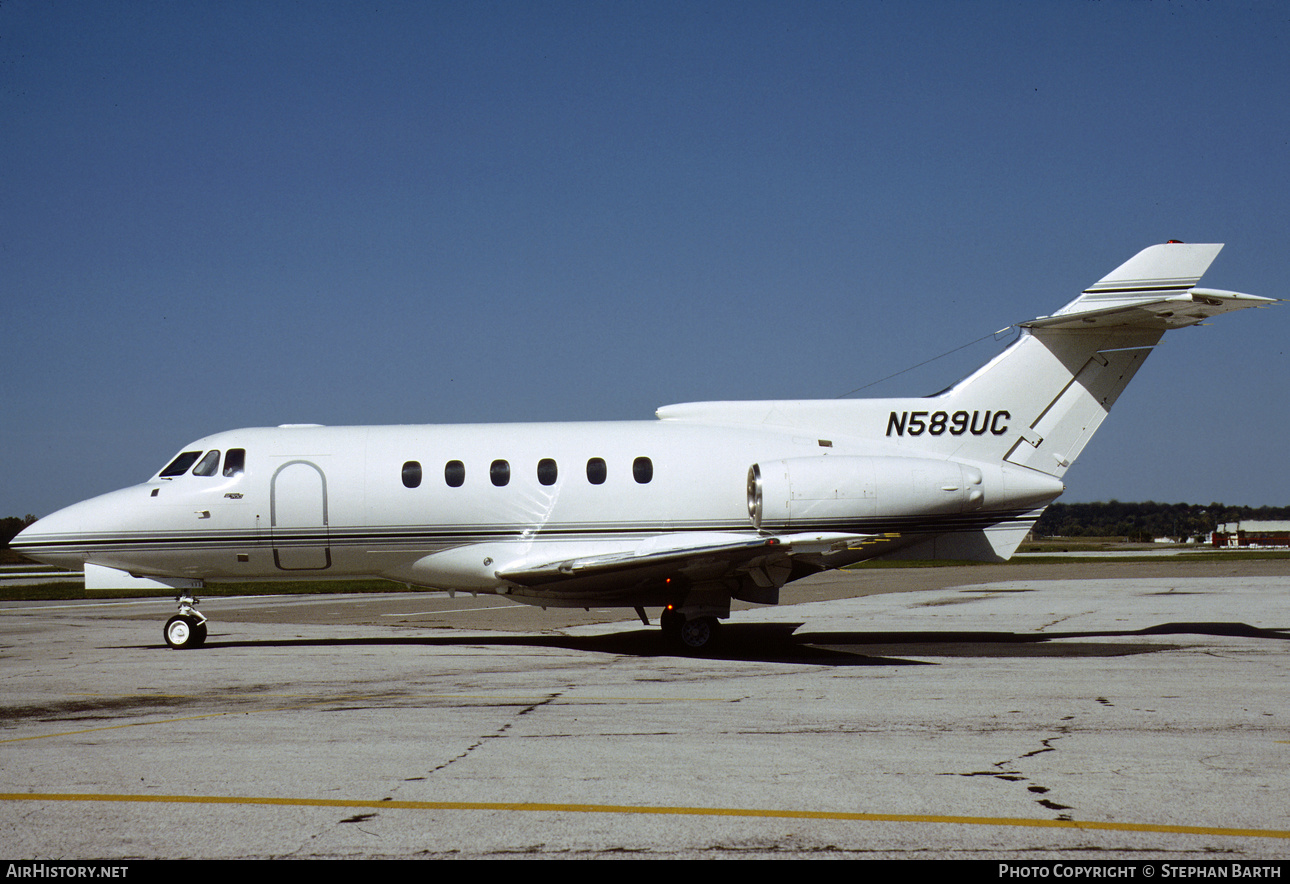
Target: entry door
[298, 513]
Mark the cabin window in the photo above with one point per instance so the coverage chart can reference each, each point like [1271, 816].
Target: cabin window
[499, 471]
[411, 474]
[180, 465]
[234, 462]
[642, 470]
[208, 464]
[454, 473]
[596, 471]
[547, 471]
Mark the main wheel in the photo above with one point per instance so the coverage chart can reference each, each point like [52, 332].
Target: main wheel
[183, 631]
[698, 634]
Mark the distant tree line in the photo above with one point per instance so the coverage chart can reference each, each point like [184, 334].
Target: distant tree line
[11, 525]
[1147, 521]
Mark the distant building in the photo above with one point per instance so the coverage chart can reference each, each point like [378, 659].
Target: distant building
[1252, 534]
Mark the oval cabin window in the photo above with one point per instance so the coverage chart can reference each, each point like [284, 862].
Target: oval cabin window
[411, 474]
[642, 469]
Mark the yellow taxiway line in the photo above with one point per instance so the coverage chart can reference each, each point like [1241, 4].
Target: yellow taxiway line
[539, 807]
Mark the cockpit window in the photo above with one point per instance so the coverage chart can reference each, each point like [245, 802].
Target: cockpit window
[235, 462]
[208, 464]
[180, 465]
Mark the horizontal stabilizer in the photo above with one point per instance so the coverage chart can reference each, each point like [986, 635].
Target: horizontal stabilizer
[1153, 289]
[1192, 307]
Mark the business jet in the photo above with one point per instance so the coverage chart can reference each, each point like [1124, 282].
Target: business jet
[711, 502]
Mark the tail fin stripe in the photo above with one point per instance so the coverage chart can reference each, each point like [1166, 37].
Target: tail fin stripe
[1183, 287]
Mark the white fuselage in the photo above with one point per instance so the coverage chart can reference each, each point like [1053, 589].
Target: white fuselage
[335, 502]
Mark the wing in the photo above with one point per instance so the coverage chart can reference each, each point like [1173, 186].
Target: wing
[696, 559]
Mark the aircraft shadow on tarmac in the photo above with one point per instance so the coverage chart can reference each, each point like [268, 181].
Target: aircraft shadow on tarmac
[781, 643]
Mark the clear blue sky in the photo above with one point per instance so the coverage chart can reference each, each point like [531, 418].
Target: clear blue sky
[229, 214]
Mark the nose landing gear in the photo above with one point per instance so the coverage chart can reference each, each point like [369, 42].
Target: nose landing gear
[187, 629]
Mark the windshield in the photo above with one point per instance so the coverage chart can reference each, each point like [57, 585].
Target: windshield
[180, 465]
[234, 464]
[208, 464]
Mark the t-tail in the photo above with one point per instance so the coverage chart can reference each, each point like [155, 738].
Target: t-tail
[1056, 384]
[1012, 429]
[1031, 410]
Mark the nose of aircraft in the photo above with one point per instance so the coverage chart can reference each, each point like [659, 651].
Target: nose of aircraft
[23, 541]
[49, 539]
[63, 538]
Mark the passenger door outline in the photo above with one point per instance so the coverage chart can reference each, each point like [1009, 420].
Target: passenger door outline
[298, 517]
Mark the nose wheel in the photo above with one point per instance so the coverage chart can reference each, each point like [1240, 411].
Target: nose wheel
[187, 629]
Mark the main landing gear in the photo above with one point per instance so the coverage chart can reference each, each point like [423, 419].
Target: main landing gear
[694, 634]
[187, 629]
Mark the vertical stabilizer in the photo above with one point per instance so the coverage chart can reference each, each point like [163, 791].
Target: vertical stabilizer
[1162, 271]
[1060, 379]
[1031, 410]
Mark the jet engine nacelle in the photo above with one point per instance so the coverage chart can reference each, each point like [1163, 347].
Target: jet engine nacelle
[811, 490]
